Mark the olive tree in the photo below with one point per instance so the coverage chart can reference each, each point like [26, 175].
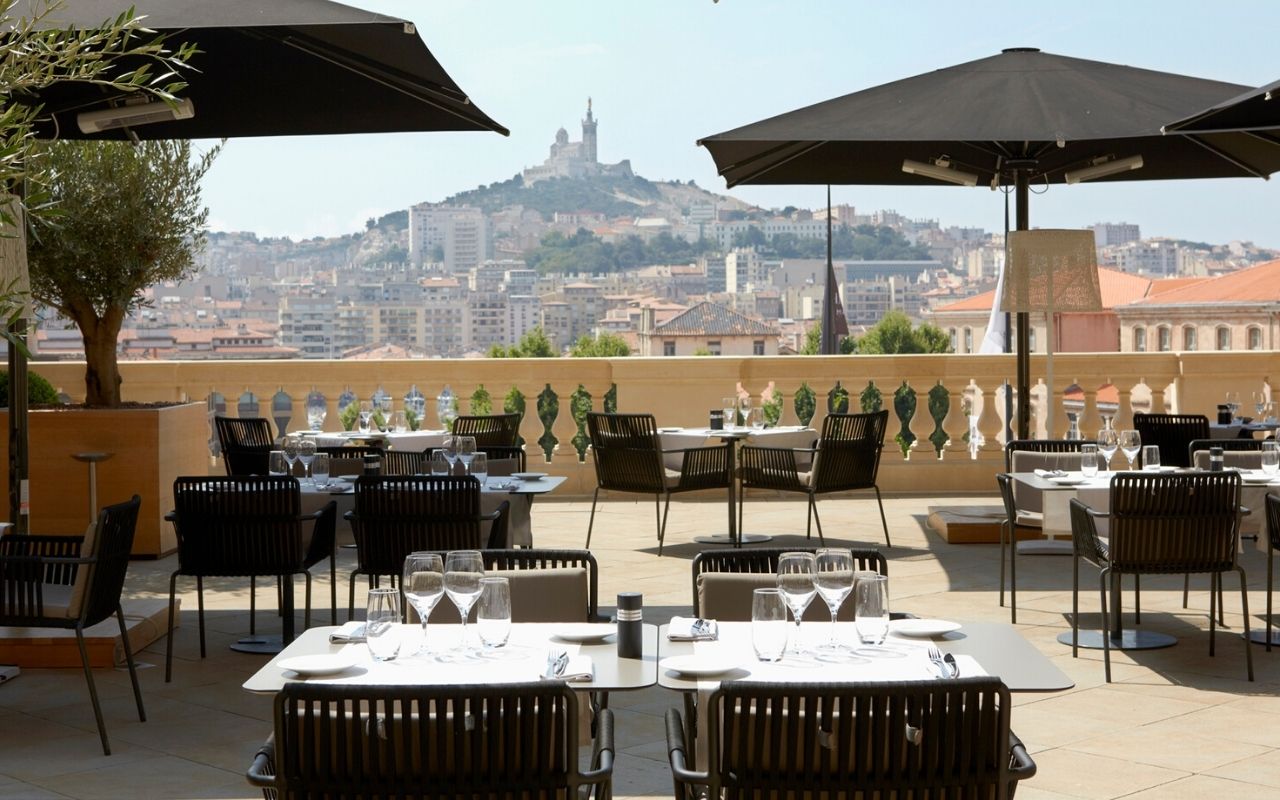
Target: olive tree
[128, 216]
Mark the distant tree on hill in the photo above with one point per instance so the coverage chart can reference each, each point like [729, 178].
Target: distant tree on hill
[866, 243]
[606, 345]
[813, 342]
[893, 334]
[533, 344]
[584, 252]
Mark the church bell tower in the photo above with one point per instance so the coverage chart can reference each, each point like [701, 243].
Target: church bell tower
[589, 136]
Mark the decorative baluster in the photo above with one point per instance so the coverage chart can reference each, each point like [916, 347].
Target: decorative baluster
[1057, 423]
[248, 404]
[217, 404]
[563, 428]
[1124, 414]
[956, 423]
[282, 410]
[919, 427]
[1090, 419]
[939, 410]
[990, 424]
[1157, 397]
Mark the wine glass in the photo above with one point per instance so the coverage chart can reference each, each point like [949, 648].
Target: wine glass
[466, 446]
[744, 408]
[366, 415]
[423, 586]
[833, 579]
[480, 468]
[730, 406]
[290, 449]
[450, 449]
[462, 573]
[795, 579]
[1259, 405]
[1131, 445]
[1108, 443]
[1233, 402]
[307, 454]
[1271, 458]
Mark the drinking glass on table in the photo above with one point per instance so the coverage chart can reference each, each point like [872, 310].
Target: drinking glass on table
[493, 613]
[450, 449]
[768, 624]
[463, 570]
[795, 580]
[730, 406]
[380, 624]
[1259, 405]
[1233, 403]
[1089, 460]
[833, 578]
[756, 419]
[320, 471]
[466, 451]
[306, 454]
[277, 464]
[480, 468]
[366, 415]
[315, 417]
[400, 422]
[744, 408]
[423, 586]
[1108, 443]
[1151, 457]
[871, 609]
[290, 448]
[1271, 457]
[1130, 445]
[440, 466]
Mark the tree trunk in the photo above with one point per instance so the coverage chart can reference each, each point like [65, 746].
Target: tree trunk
[102, 370]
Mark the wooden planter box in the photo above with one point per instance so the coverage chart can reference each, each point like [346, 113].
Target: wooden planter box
[152, 446]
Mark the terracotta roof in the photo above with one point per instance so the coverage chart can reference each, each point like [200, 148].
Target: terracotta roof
[1169, 284]
[1260, 284]
[1118, 288]
[709, 319]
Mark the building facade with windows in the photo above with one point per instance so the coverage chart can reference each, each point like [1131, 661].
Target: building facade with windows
[707, 328]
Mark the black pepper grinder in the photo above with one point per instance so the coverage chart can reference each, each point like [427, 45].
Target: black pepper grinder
[1215, 459]
[372, 464]
[630, 625]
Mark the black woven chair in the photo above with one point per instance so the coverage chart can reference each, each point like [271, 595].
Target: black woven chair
[496, 435]
[1047, 446]
[403, 462]
[1010, 531]
[246, 444]
[846, 458]
[248, 526]
[1227, 445]
[763, 562]
[517, 740]
[1161, 524]
[396, 515]
[352, 450]
[73, 582]
[848, 741]
[1172, 433]
[1273, 537]
[629, 458]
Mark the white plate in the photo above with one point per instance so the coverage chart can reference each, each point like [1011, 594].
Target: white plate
[584, 633]
[922, 627]
[669, 430]
[1068, 480]
[316, 665]
[695, 666]
[528, 476]
[1257, 477]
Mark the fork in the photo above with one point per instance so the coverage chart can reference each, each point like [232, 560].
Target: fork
[935, 655]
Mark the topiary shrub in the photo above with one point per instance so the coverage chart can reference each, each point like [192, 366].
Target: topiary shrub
[39, 390]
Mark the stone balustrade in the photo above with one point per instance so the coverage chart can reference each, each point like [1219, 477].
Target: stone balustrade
[946, 411]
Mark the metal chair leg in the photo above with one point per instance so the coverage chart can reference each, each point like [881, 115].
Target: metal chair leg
[1213, 597]
[1075, 606]
[253, 606]
[200, 611]
[1106, 621]
[93, 692]
[662, 526]
[168, 647]
[351, 596]
[1013, 573]
[333, 586]
[1244, 607]
[1004, 529]
[1137, 599]
[133, 669]
[1270, 562]
[306, 614]
[808, 520]
[592, 521]
[817, 520]
[1186, 588]
[883, 523]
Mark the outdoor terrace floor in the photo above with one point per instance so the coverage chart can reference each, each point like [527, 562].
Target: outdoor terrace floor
[1176, 723]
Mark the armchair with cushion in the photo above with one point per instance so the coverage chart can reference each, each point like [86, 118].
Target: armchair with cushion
[1172, 433]
[246, 444]
[73, 582]
[845, 458]
[629, 458]
[496, 435]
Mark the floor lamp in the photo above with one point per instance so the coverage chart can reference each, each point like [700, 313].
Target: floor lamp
[1051, 271]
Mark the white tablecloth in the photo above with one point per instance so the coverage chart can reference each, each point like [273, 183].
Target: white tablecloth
[787, 436]
[416, 441]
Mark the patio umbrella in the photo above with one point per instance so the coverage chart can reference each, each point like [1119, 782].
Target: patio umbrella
[1013, 119]
[1255, 110]
[283, 68]
[287, 67]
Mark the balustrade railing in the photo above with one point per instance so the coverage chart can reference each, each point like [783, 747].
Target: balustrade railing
[945, 410]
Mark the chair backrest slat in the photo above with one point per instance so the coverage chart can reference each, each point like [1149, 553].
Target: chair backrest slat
[492, 430]
[626, 452]
[764, 561]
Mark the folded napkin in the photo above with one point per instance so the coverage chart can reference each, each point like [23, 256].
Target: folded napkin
[1050, 473]
[577, 669]
[350, 632]
[692, 629]
[499, 484]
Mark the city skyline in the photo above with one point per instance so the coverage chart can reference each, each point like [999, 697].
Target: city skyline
[663, 74]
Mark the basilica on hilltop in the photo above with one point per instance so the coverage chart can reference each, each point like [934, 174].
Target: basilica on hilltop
[575, 159]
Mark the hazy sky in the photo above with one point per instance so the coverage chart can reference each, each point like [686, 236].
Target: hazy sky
[663, 73]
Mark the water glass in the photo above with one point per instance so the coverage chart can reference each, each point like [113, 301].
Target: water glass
[493, 612]
[768, 624]
[1151, 457]
[871, 608]
[440, 466]
[1259, 405]
[756, 419]
[1271, 457]
[1088, 460]
[730, 406]
[423, 582]
[380, 624]
[277, 464]
[315, 417]
[320, 471]
[1131, 445]
[1233, 402]
[834, 581]
[795, 580]
[400, 422]
[463, 570]
[480, 468]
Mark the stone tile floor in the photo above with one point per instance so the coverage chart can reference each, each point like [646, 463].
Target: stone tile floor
[1175, 723]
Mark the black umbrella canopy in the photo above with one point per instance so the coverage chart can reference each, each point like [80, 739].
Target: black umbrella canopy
[1255, 110]
[1025, 110]
[285, 67]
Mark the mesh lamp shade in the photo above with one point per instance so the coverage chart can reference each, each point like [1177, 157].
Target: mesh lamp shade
[1052, 270]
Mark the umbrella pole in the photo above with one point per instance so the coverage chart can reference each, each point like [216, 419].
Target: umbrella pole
[1022, 194]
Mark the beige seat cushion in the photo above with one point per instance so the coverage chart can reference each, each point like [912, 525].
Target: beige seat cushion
[58, 600]
[727, 596]
[499, 467]
[670, 477]
[537, 595]
[1025, 499]
[1240, 459]
[74, 599]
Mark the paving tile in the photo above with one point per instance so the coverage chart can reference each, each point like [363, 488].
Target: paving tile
[1199, 787]
[1181, 750]
[1089, 776]
[1263, 769]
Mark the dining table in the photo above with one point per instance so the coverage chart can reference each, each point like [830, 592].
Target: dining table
[523, 658]
[418, 441]
[787, 436]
